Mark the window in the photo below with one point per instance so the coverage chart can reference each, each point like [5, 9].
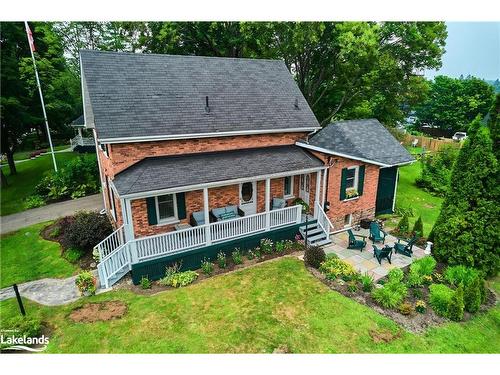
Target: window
[247, 192]
[166, 208]
[352, 178]
[347, 220]
[288, 186]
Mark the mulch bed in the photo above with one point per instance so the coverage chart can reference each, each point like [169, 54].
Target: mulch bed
[94, 312]
[85, 262]
[415, 322]
[126, 282]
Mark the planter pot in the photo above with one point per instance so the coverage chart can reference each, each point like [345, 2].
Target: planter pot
[428, 248]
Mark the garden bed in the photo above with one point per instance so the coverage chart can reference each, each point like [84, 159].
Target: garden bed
[94, 312]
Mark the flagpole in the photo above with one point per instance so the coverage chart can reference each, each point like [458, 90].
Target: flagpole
[32, 48]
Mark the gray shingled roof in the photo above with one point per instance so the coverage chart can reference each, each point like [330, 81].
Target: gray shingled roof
[165, 172]
[362, 139]
[78, 122]
[134, 95]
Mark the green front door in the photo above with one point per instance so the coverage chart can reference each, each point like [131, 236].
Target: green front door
[385, 190]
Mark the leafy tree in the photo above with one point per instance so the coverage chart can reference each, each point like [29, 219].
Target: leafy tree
[466, 231]
[403, 225]
[456, 305]
[418, 227]
[494, 125]
[453, 103]
[436, 170]
[472, 295]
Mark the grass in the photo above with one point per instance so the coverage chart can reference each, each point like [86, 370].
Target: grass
[410, 195]
[26, 256]
[274, 305]
[29, 173]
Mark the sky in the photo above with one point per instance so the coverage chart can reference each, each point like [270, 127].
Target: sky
[471, 48]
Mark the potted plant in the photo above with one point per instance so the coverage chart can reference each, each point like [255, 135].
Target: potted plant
[86, 283]
[351, 193]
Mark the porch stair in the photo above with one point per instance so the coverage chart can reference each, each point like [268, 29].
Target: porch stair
[316, 236]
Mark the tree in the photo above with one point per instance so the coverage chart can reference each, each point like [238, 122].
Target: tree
[472, 295]
[453, 103]
[466, 231]
[456, 305]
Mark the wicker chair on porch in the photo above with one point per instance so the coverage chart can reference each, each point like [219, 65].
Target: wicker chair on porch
[227, 213]
[198, 218]
[278, 203]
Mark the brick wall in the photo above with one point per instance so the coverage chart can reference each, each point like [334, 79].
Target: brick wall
[361, 207]
[123, 155]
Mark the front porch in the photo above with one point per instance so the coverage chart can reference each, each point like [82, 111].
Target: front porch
[364, 261]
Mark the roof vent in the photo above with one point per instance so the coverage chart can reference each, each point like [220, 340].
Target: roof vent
[297, 103]
[207, 107]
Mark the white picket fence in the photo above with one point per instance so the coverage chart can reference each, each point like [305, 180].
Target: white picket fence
[117, 256]
[323, 220]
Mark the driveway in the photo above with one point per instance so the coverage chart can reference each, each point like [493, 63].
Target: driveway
[53, 211]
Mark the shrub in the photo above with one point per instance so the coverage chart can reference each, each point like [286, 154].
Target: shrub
[417, 293]
[418, 227]
[236, 255]
[455, 309]
[334, 267]
[280, 247]
[405, 308]
[472, 296]
[420, 306]
[251, 255]
[207, 267]
[34, 201]
[425, 265]
[403, 225]
[221, 259]
[28, 326]
[439, 298]
[86, 283]
[457, 275]
[352, 287]
[72, 255]
[145, 283]
[86, 231]
[427, 279]
[55, 232]
[367, 282]
[395, 275]
[437, 277]
[390, 295]
[173, 269]
[266, 245]
[179, 279]
[415, 279]
[314, 256]
[289, 245]
[305, 206]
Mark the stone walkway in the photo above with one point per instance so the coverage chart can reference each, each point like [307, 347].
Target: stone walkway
[52, 211]
[48, 292]
[365, 261]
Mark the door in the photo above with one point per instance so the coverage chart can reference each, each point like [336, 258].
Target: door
[304, 187]
[248, 197]
[386, 190]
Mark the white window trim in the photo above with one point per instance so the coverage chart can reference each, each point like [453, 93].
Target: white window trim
[104, 152]
[356, 177]
[169, 220]
[348, 225]
[292, 180]
[112, 201]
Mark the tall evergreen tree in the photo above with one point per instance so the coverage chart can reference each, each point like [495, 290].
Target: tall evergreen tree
[466, 231]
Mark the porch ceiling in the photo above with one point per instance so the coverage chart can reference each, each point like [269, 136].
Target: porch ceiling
[169, 172]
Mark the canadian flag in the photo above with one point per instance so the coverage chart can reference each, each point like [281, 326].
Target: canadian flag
[30, 37]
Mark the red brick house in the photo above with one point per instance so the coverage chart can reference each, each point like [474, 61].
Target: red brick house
[200, 153]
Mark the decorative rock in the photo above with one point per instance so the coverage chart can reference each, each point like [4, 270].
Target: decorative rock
[93, 265]
[378, 286]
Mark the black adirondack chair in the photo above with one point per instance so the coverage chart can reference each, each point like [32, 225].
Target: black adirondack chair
[355, 243]
[385, 252]
[405, 247]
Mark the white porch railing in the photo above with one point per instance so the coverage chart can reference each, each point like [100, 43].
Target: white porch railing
[116, 255]
[110, 243]
[81, 141]
[323, 220]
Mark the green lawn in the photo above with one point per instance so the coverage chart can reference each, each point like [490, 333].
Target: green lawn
[275, 305]
[410, 195]
[29, 173]
[25, 256]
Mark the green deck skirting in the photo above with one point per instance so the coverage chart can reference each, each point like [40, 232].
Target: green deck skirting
[191, 260]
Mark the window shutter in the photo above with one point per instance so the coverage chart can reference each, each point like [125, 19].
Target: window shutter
[343, 183]
[152, 219]
[361, 180]
[181, 205]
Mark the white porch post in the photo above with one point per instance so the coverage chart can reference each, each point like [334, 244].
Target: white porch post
[316, 196]
[268, 202]
[323, 198]
[207, 217]
[129, 231]
[80, 132]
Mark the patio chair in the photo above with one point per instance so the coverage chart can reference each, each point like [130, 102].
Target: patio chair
[198, 218]
[354, 243]
[385, 252]
[405, 247]
[227, 213]
[376, 234]
[278, 203]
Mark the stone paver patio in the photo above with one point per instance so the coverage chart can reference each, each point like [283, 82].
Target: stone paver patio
[365, 261]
